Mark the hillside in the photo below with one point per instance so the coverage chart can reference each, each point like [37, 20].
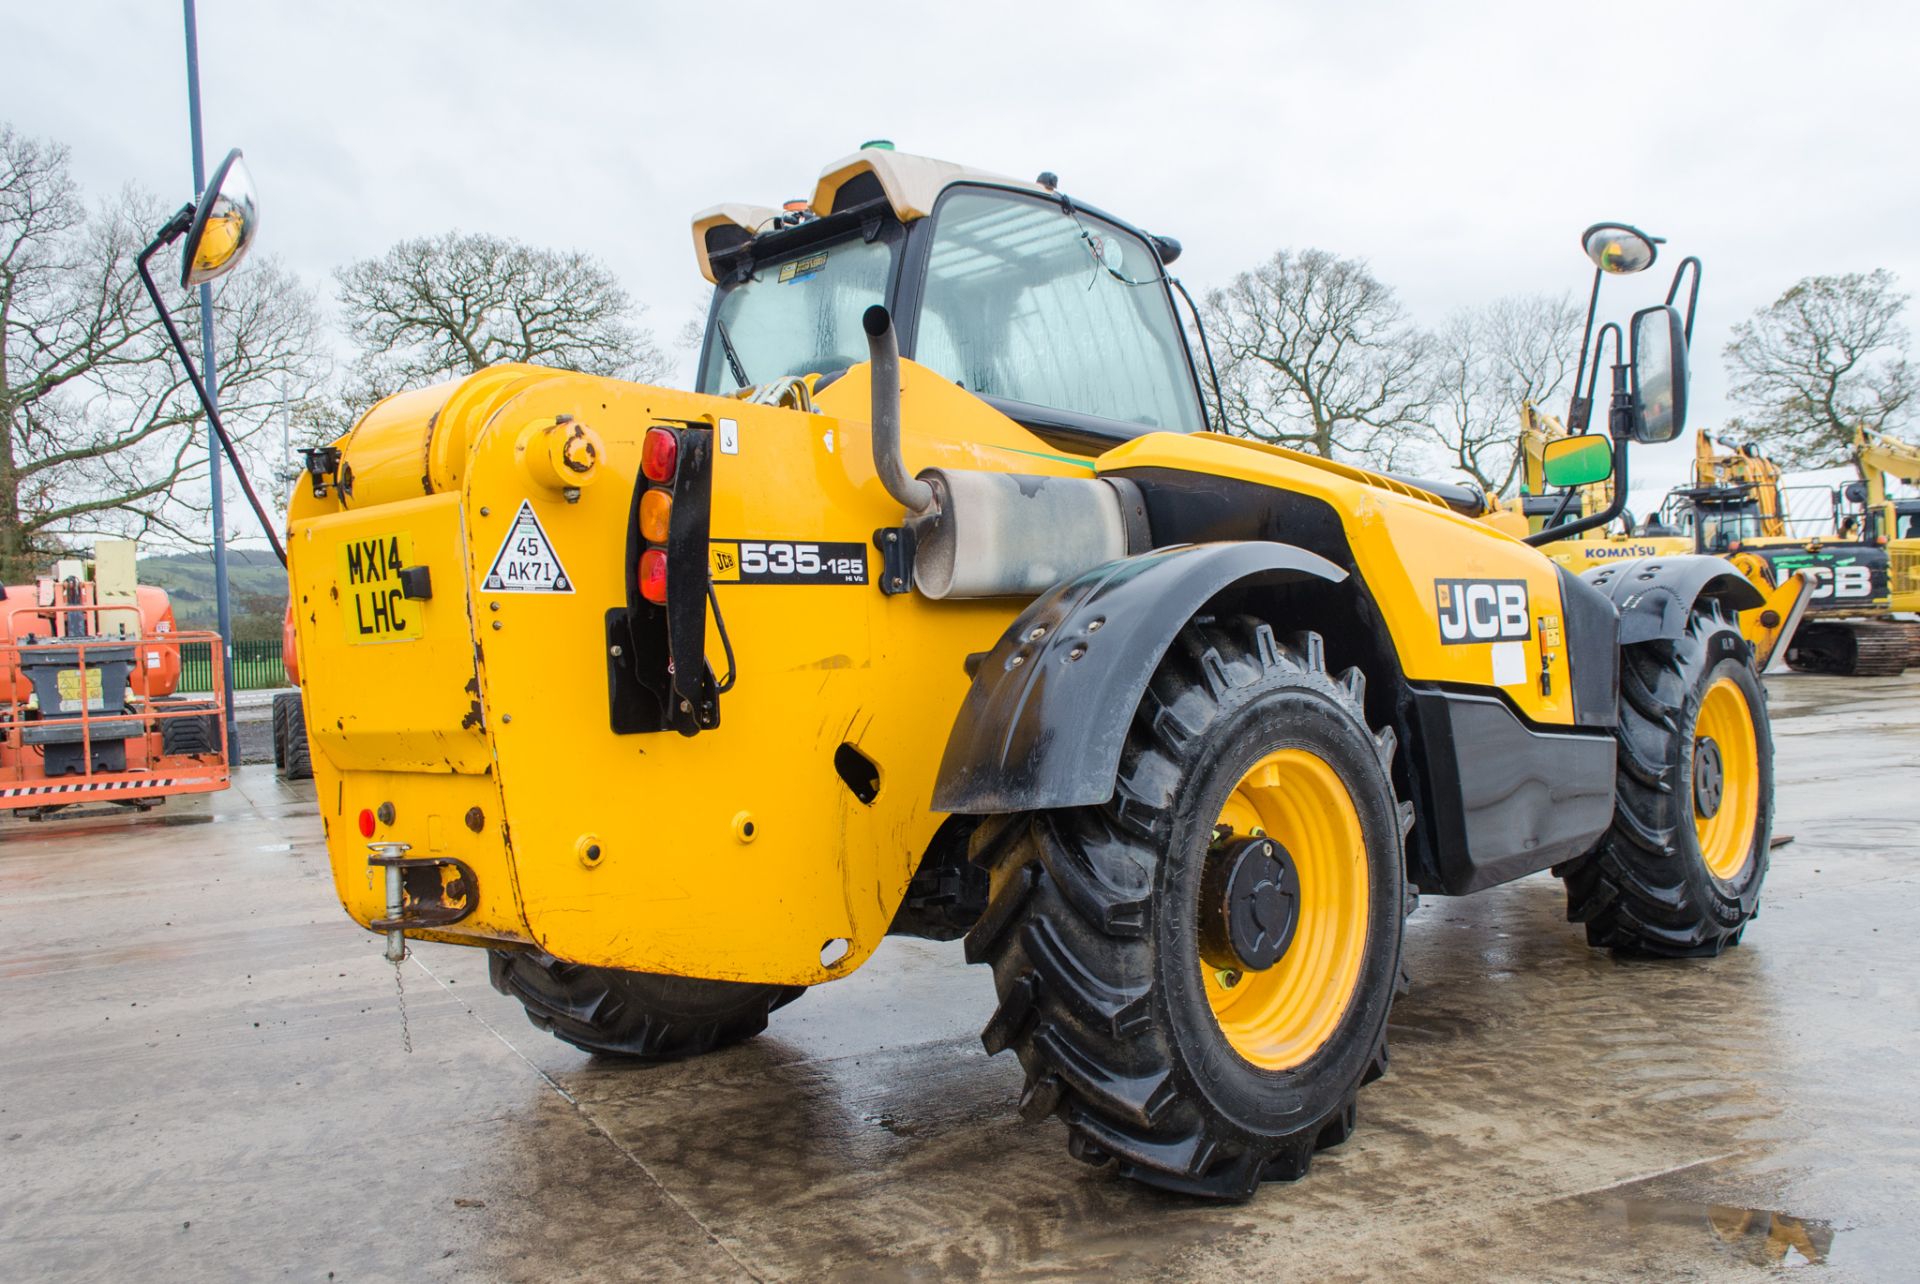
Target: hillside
[258, 585]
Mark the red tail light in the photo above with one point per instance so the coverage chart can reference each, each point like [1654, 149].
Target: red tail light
[659, 454]
[653, 575]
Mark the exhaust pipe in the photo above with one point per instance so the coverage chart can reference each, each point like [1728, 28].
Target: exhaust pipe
[988, 534]
[883, 349]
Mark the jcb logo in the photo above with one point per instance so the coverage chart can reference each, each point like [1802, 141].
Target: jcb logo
[1841, 581]
[1483, 610]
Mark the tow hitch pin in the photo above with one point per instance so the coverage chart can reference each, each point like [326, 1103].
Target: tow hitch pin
[396, 937]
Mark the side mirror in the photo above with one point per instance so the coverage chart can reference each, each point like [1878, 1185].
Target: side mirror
[1577, 461]
[224, 224]
[1659, 361]
[1619, 249]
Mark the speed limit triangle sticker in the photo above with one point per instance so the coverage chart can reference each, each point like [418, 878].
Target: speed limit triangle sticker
[526, 562]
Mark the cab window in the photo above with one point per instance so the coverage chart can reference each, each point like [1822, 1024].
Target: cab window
[798, 314]
[1026, 302]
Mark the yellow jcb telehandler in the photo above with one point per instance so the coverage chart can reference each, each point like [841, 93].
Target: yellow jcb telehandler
[942, 607]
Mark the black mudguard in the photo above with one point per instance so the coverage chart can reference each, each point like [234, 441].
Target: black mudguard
[1654, 595]
[1050, 705]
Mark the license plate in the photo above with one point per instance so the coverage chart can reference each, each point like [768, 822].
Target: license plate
[372, 606]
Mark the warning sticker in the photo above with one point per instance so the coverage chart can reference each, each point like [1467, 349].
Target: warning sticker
[803, 269]
[526, 562]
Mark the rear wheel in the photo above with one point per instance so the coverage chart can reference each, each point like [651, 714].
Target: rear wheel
[1196, 975]
[634, 1014]
[1679, 871]
[295, 755]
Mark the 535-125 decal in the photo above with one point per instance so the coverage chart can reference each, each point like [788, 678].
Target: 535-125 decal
[777, 561]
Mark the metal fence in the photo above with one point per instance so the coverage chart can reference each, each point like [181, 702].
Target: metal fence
[256, 665]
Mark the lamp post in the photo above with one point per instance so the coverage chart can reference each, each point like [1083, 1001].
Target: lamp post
[222, 597]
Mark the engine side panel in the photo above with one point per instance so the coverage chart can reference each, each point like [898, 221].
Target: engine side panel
[1464, 604]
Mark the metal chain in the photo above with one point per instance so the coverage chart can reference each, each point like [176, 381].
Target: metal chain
[400, 989]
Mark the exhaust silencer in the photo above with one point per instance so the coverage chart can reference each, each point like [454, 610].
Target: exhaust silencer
[1008, 535]
[983, 534]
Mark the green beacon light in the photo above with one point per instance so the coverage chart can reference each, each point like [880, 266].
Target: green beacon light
[877, 145]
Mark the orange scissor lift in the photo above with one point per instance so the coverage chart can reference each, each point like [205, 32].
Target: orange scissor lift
[88, 710]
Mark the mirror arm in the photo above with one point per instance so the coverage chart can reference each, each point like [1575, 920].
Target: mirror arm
[1693, 294]
[180, 222]
[171, 232]
[1620, 427]
[1580, 409]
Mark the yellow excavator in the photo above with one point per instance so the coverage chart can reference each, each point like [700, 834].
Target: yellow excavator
[1736, 491]
[1864, 566]
[1869, 568]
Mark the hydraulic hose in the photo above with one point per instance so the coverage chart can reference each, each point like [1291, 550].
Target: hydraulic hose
[883, 350]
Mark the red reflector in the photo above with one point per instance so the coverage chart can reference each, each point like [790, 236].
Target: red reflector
[659, 453]
[366, 822]
[653, 575]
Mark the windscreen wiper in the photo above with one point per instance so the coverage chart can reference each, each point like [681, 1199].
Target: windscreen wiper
[733, 356]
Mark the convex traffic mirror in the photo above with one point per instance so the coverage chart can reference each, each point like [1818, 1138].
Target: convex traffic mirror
[224, 224]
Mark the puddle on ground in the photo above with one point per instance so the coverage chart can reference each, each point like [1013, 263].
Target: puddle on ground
[1756, 1236]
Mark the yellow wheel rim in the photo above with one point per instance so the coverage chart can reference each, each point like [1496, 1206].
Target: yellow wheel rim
[1279, 1017]
[1726, 779]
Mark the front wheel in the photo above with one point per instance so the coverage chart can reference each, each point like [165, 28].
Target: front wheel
[1196, 975]
[1679, 871]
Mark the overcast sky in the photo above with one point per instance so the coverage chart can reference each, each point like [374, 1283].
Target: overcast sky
[1460, 148]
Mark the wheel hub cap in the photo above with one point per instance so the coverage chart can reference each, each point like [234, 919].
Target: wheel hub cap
[1709, 777]
[1253, 904]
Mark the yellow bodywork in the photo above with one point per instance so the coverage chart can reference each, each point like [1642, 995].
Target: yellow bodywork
[482, 717]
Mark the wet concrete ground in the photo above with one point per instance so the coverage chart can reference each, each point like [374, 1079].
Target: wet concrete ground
[202, 1076]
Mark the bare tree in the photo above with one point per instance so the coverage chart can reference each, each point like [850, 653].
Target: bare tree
[439, 308]
[1485, 363]
[99, 430]
[1316, 353]
[1827, 355]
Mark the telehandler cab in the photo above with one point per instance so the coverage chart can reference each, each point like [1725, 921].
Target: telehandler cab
[679, 702]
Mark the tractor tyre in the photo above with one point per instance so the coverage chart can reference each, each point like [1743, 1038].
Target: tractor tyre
[290, 725]
[1196, 974]
[190, 735]
[1678, 873]
[634, 1014]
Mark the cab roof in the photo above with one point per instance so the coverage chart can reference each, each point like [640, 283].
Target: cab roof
[911, 185]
